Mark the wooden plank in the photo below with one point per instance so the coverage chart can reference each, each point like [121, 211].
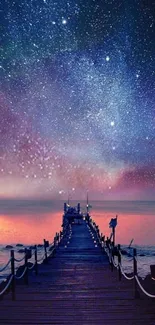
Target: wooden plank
[76, 287]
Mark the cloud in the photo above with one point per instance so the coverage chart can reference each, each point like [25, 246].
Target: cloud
[137, 178]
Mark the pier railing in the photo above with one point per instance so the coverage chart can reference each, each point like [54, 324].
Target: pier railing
[115, 260]
[42, 254]
[39, 254]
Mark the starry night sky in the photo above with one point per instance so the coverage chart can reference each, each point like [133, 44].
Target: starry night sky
[77, 99]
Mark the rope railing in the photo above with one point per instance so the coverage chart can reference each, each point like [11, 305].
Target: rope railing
[48, 251]
[6, 265]
[115, 264]
[41, 259]
[22, 275]
[119, 264]
[124, 274]
[7, 286]
[51, 251]
[19, 260]
[51, 244]
[111, 251]
[16, 260]
[31, 267]
[141, 287]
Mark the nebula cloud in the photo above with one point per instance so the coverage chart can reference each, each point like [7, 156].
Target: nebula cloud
[77, 99]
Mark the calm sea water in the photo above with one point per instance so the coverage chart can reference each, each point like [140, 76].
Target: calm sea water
[29, 222]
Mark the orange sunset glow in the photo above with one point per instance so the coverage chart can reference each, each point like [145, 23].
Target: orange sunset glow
[29, 230]
[42, 222]
[138, 227]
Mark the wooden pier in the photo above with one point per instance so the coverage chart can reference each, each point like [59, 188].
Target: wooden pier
[76, 286]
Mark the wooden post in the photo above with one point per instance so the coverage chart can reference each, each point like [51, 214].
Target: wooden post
[119, 263]
[13, 273]
[111, 256]
[57, 238]
[103, 242]
[60, 238]
[113, 232]
[136, 292]
[45, 248]
[36, 263]
[26, 265]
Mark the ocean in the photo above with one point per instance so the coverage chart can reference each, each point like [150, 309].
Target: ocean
[28, 222]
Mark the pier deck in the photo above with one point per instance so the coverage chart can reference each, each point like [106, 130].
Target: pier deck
[77, 287]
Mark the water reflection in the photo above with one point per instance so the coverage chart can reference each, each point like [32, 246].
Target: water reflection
[29, 229]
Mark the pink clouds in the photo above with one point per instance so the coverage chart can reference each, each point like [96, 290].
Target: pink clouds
[138, 177]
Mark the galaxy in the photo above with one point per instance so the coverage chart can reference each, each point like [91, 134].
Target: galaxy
[77, 99]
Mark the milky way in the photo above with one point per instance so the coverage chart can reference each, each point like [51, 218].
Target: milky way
[77, 99]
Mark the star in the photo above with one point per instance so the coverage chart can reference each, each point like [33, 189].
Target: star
[77, 99]
[107, 58]
[64, 21]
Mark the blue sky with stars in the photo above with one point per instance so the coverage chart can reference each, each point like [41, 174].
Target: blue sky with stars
[77, 98]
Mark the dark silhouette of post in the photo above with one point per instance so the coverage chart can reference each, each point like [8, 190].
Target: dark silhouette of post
[111, 256]
[113, 224]
[36, 263]
[119, 263]
[45, 248]
[26, 266]
[137, 295]
[13, 274]
[113, 234]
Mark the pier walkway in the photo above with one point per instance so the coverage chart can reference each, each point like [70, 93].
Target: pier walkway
[77, 287]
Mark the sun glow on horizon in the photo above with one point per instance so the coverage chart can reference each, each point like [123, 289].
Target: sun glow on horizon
[27, 229]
